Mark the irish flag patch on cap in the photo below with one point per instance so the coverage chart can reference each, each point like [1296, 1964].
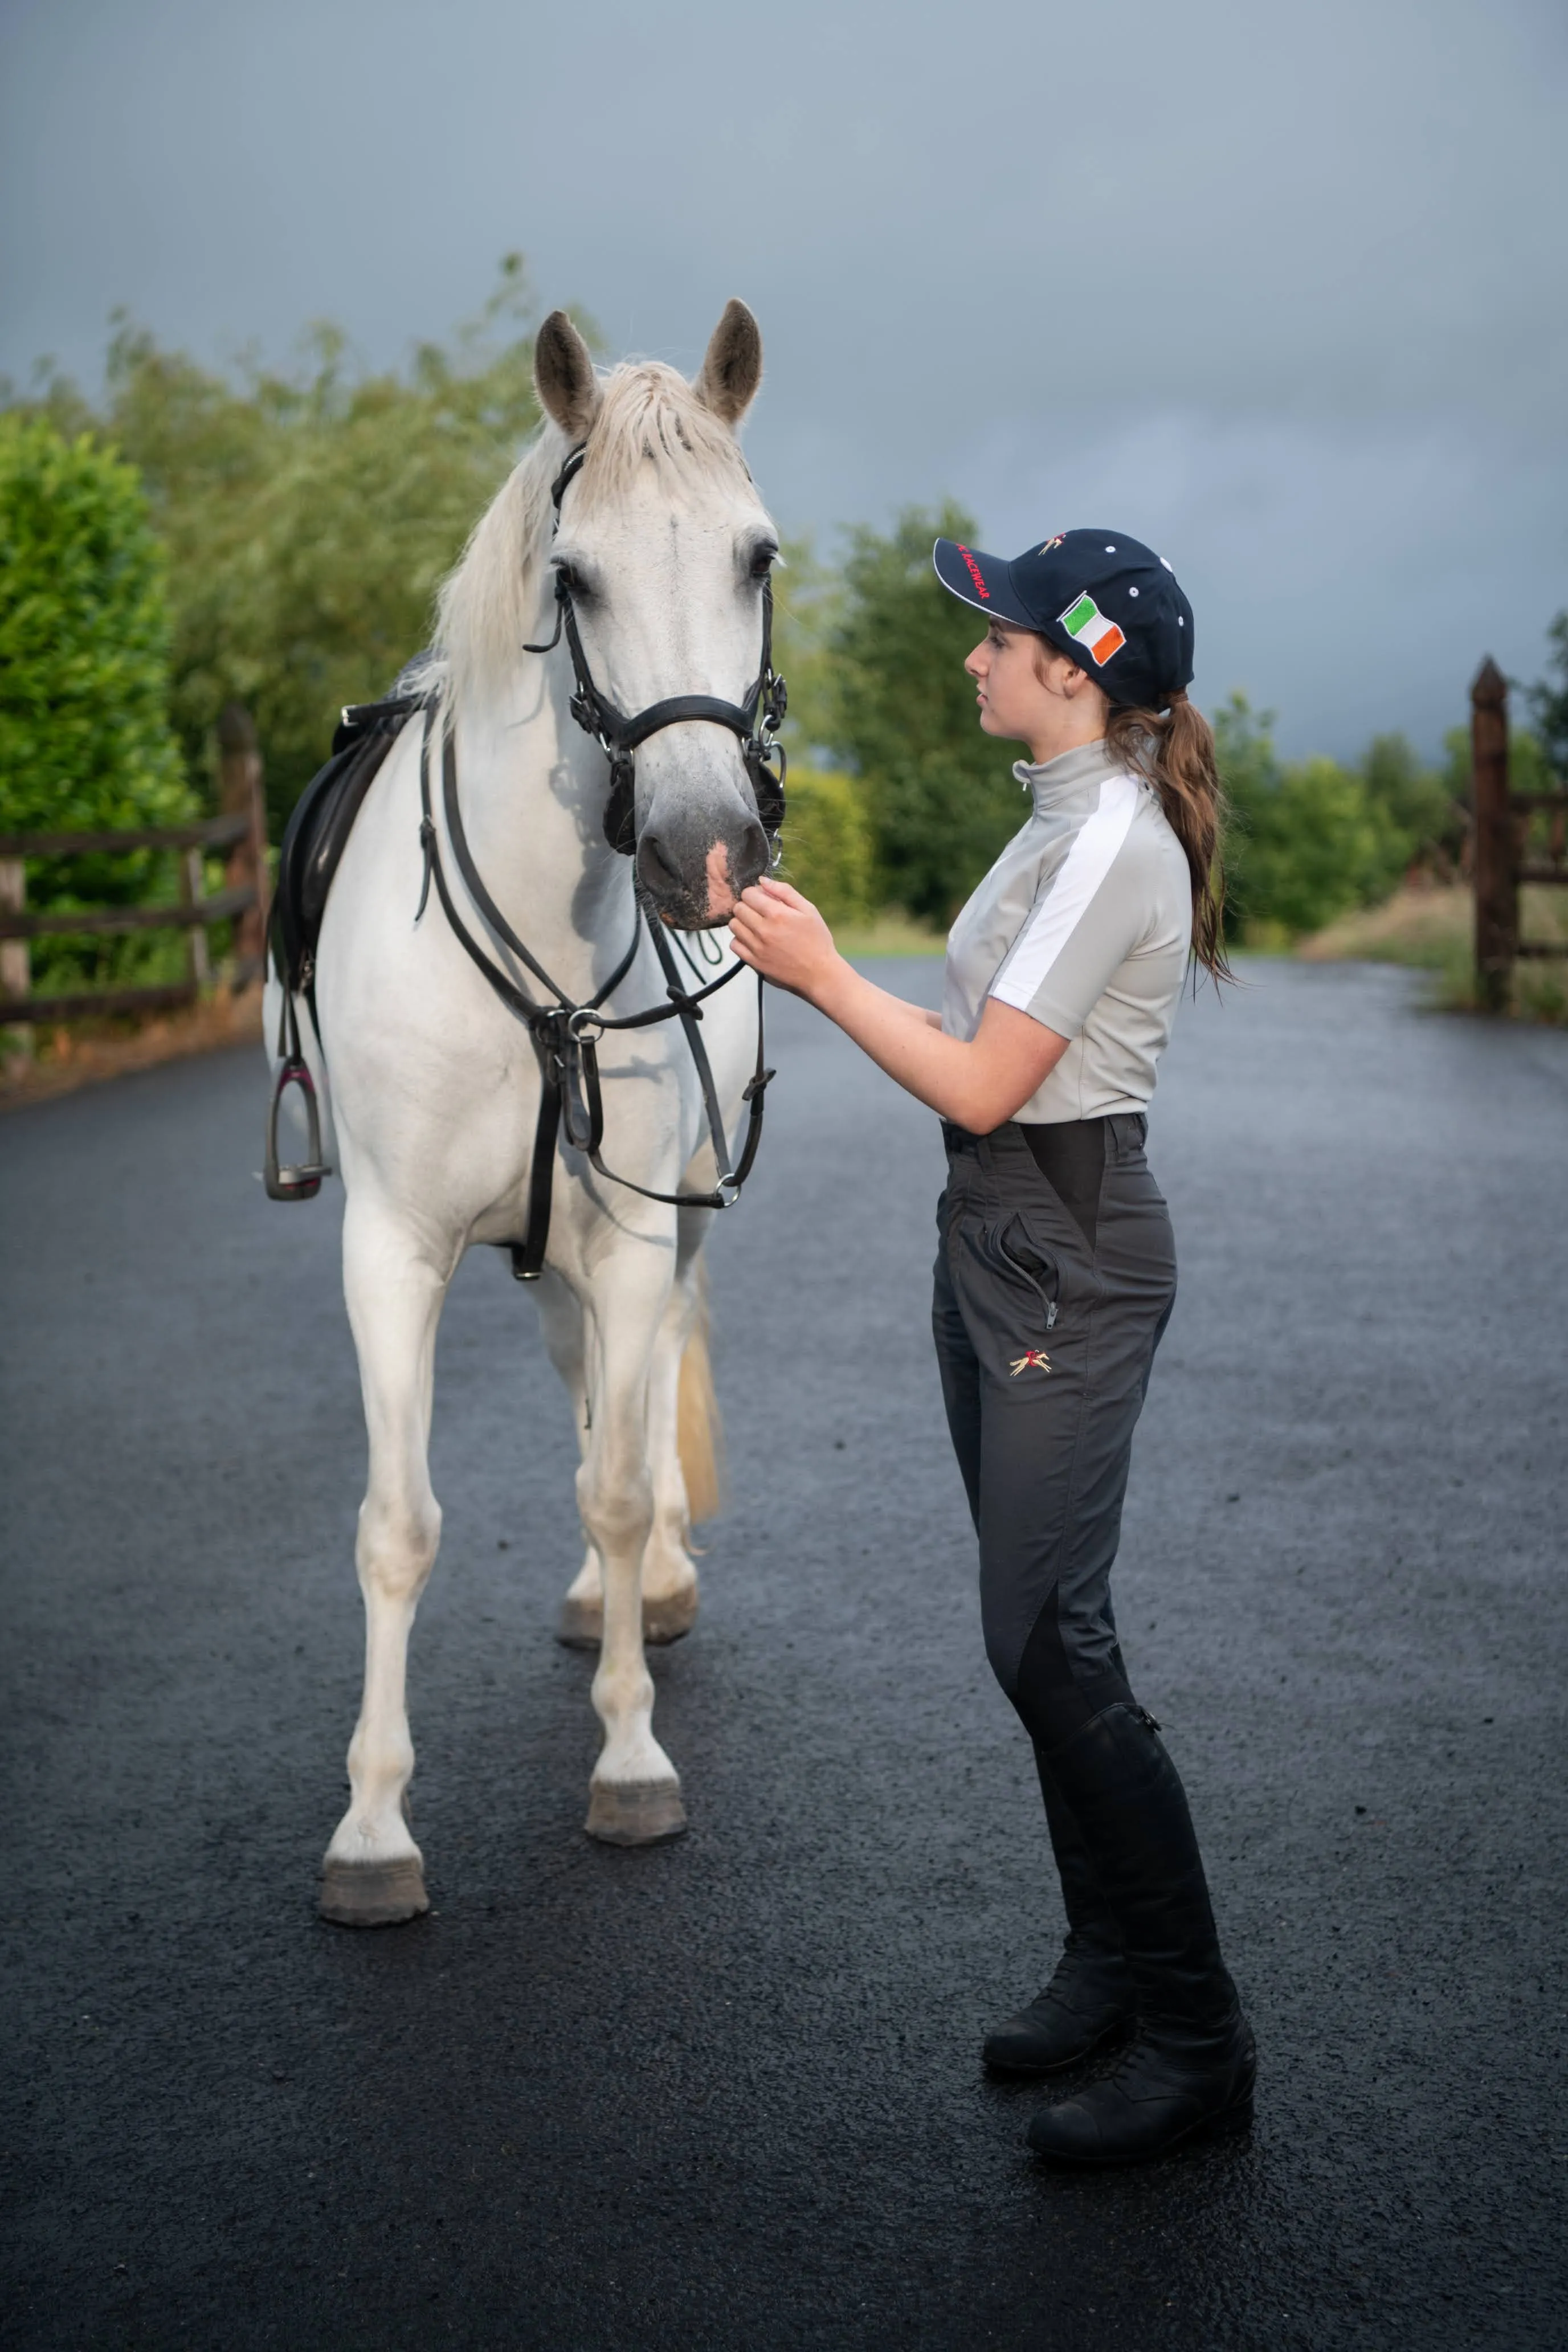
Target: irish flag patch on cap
[1088, 626]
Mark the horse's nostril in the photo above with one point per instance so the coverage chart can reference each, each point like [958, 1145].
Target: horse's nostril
[753, 856]
[655, 861]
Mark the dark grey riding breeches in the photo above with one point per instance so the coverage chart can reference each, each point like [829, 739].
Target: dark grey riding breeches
[1047, 1322]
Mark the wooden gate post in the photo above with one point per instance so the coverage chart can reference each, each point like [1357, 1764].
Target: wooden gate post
[1495, 853]
[241, 793]
[15, 957]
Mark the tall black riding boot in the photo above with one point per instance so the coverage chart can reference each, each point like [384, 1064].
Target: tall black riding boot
[1091, 1996]
[1190, 2067]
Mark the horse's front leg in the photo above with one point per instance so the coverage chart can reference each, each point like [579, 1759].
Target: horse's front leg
[682, 1441]
[563, 1320]
[374, 1873]
[634, 1793]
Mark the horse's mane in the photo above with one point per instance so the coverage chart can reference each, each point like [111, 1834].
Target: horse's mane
[491, 604]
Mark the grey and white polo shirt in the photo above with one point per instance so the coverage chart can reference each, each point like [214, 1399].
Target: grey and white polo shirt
[1084, 922]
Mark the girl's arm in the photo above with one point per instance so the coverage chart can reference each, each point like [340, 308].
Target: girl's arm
[976, 1085]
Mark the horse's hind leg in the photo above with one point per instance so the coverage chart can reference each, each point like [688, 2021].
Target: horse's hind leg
[374, 1873]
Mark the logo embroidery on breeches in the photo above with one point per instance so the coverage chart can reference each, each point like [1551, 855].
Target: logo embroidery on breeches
[1033, 1360]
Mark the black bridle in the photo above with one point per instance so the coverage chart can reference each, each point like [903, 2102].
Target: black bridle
[564, 1035]
[756, 720]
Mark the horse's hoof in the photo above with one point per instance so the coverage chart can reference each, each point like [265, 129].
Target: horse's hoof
[635, 1812]
[580, 1625]
[672, 1618]
[373, 1893]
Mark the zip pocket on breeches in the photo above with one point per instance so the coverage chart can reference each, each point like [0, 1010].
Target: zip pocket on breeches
[1036, 1271]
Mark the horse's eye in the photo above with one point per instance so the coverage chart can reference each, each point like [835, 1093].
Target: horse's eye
[763, 560]
[576, 583]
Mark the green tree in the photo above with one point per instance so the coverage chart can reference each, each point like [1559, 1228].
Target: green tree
[807, 602]
[1527, 766]
[310, 516]
[1427, 819]
[899, 713]
[85, 740]
[1306, 841]
[1548, 701]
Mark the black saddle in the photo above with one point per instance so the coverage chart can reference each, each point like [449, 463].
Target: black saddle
[313, 842]
[318, 831]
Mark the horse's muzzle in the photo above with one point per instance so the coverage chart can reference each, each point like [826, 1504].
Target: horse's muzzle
[694, 876]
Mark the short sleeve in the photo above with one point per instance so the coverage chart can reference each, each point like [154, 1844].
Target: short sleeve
[1088, 919]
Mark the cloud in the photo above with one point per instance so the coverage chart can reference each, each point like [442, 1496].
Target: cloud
[1349, 575]
[1269, 282]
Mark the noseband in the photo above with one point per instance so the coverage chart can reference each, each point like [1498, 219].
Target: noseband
[756, 721]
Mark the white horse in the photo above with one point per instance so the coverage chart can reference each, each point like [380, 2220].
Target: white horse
[435, 1085]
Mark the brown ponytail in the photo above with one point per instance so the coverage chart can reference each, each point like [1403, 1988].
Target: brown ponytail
[1174, 751]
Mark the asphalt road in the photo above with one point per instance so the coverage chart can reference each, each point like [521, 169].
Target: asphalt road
[726, 2093]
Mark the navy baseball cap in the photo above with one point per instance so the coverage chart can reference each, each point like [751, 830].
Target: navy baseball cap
[1105, 601]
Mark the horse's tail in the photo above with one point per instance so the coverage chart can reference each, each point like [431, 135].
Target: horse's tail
[699, 1430]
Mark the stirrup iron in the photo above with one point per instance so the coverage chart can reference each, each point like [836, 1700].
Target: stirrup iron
[302, 1182]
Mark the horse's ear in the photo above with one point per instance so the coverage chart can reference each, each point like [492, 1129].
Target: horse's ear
[564, 376]
[733, 367]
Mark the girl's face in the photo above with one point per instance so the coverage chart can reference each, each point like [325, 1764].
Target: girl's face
[1028, 693]
[1014, 702]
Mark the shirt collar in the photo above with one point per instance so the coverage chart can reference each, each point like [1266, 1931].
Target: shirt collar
[1053, 779]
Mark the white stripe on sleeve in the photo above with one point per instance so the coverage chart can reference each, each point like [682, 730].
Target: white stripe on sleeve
[1083, 869]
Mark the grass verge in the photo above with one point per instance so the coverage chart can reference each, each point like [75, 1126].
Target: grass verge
[1433, 930]
[891, 933]
[63, 1059]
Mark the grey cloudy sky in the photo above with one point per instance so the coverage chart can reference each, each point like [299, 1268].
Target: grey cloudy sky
[1280, 289]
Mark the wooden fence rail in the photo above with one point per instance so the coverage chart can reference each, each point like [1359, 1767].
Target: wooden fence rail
[241, 830]
[202, 833]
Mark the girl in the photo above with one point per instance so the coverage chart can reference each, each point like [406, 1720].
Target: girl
[1056, 1276]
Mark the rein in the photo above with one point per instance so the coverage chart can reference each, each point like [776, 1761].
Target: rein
[565, 1036]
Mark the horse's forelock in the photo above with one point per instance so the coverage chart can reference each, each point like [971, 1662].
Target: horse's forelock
[649, 412]
[489, 604]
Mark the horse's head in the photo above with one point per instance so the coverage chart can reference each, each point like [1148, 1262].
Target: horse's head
[666, 551]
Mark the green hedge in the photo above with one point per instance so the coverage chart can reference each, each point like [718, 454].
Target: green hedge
[826, 843]
[85, 740]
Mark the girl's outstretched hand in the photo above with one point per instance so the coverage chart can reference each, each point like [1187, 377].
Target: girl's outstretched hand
[781, 935]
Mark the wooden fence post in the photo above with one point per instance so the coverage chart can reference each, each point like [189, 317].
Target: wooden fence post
[1496, 857]
[193, 891]
[16, 956]
[241, 793]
